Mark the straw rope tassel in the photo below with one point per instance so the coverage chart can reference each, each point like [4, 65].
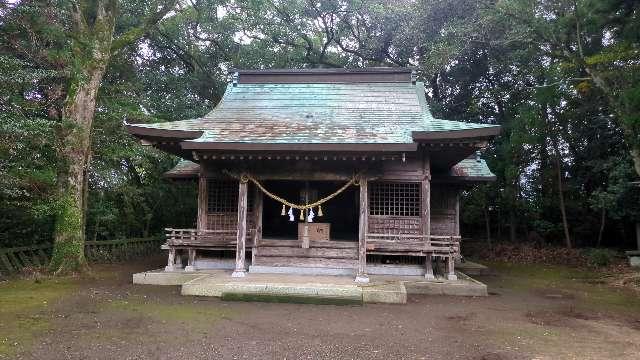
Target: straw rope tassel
[355, 180]
[284, 210]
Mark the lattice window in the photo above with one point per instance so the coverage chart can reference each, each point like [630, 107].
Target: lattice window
[222, 205]
[394, 199]
[223, 196]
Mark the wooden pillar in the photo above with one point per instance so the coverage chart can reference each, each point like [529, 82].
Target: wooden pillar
[242, 229]
[638, 234]
[203, 209]
[202, 201]
[456, 228]
[425, 207]
[363, 229]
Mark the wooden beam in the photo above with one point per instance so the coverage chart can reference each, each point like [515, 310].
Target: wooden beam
[242, 230]
[363, 229]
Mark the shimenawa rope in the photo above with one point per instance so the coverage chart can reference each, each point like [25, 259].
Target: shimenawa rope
[246, 177]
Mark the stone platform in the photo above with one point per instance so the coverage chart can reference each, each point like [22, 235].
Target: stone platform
[309, 289]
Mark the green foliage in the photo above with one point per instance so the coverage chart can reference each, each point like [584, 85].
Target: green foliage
[561, 78]
[599, 257]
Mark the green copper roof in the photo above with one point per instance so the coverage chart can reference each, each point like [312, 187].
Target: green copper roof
[183, 169]
[472, 169]
[316, 113]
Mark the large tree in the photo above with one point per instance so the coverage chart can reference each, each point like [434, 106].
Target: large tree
[77, 38]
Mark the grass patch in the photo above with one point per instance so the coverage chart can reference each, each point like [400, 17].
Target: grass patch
[295, 299]
[194, 313]
[590, 292]
[25, 307]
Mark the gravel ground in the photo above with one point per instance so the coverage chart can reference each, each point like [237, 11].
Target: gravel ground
[109, 318]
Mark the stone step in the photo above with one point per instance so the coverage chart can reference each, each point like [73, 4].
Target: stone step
[308, 253]
[337, 290]
[300, 270]
[304, 262]
[312, 244]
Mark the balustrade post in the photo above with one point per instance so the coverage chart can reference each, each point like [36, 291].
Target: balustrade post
[171, 260]
[191, 261]
[451, 260]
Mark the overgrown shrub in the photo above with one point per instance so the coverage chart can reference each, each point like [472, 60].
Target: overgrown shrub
[599, 257]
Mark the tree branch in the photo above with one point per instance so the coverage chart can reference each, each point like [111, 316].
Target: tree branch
[134, 34]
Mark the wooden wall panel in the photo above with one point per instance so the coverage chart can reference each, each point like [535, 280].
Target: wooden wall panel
[443, 209]
[225, 216]
[394, 225]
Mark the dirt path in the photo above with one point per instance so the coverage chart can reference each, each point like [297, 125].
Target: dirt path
[108, 318]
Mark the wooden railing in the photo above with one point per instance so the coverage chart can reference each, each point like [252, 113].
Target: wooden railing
[205, 238]
[15, 258]
[409, 244]
[117, 250]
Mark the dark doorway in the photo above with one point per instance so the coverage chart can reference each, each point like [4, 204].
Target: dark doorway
[341, 212]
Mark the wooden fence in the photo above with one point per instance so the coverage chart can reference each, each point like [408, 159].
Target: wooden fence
[16, 258]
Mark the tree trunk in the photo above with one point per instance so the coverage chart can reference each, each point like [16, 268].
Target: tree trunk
[512, 224]
[499, 225]
[92, 50]
[602, 221]
[488, 226]
[635, 156]
[92, 44]
[563, 209]
[74, 155]
[638, 234]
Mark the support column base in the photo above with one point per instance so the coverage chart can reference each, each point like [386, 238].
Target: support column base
[363, 279]
[429, 276]
[189, 268]
[169, 268]
[452, 277]
[238, 274]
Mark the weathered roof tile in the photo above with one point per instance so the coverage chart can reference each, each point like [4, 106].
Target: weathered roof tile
[374, 113]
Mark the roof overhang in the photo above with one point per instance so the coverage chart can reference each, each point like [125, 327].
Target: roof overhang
[147, 132]
[479, 133]
[464, 179]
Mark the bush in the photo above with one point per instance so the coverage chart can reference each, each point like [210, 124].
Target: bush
[599, 257]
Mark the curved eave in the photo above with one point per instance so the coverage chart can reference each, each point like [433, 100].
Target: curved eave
[149, 132]
[469, 180]
[483, 132]
[244, 146]
[185, 176]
